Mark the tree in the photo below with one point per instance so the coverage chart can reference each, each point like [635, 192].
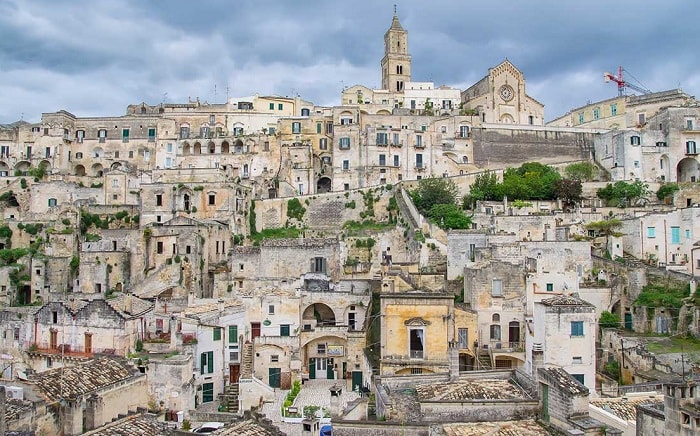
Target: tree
[667, 190]
[609, 320]
[432, 191]
[449, 216]
[485, 187]
[530, 181]
[582, 171]
[622, 194]
[607, 228]
[568, 190]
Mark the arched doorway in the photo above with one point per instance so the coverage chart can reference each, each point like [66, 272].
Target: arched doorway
[97, 170]
[324, 184]
[22, 167]
[224, 148]
[688, 170]
[318, 314]
[79, 170]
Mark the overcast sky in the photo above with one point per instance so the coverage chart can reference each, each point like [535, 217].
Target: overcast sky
[94, 57]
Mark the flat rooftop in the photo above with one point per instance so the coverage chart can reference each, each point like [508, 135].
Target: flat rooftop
[525, 427]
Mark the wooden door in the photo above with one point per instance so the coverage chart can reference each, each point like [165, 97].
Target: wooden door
[254, 329]
[234, 372]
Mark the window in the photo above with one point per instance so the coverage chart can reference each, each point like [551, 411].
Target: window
[344, 143]
[125, 135]
[382, 159]
[102, 135]
[689, 124]
[495, 332]
[233, 334]
[651, 232]
[596, 113]
[580, 118]
[319, 127]
[272, 106]
[79, 135]
[690, 147]
[159, 247]
[463, 131]
[280, 106]
[463, 338]
[395, 139]
[419, 140]
[661, 144]
[579, 378]
[206, 362]
[207, 392]
[613, 109]
[204, 131]
[284, 329]
[382, 138]
[416, 343]
[550, 287]
[346, 165]
[687, 233]
[318, 265]
[675, 235]
[576, 328]
[577, 360]
[531, 120]
[329, 128]
[419, 160]
[321, 349]
[270, 309]
[54, 317]
[396, 160]
[635, 140]
[131, 154]
[496, 288]
[151, 134]
[52, 202]
[274, 358]
[345, 120]
[217, 333]
[159, 199]
[323, 143]
[636, 164]
[416, 371]
[168, 162]
[296, 127]
[212, 200]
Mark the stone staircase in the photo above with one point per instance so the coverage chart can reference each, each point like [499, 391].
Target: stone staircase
[247, 361]
[230, 400]
[484, 360]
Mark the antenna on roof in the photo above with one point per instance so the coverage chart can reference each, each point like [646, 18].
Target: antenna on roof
[394, 8]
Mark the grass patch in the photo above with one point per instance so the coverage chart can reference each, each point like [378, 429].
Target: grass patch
[280, 233]
[355, 228]
[659, 295]
[668, 345]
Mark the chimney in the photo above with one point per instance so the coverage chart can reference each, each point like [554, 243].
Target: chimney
[220, 305]
[128, 304]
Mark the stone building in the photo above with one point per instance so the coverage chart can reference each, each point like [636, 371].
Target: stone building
[562, 334]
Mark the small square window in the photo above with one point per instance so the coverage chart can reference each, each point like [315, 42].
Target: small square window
[577, 360]
[212, 199]
[550, 287]
[271, 309]
[576, 328]
[321, 349]
[274, 358]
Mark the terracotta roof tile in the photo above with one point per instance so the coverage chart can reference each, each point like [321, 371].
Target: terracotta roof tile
[84, 378]
[625, 408]
[134, 425]
[527, 427]
[482, 389]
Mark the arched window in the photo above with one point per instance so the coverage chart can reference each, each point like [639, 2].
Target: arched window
[496, 318]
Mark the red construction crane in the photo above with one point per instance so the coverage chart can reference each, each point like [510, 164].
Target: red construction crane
[622, 84]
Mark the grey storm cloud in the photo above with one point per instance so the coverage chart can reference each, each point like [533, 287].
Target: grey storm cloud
[93, 58]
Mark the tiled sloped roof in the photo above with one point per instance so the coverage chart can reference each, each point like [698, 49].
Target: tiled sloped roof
[84, 378]
[15, 408]
[625, 408]
[483, 389]
[565, 300]
[134, 425]
[526, 427]
[245, 428]
[564, 380]
[138, 306]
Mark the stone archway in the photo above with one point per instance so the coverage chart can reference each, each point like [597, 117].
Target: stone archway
[688, 170]
[324, 184]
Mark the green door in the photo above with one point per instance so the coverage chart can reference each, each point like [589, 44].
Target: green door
[312, 368]
[545, 403]
[628, 321]
[329, 369]
[356, 381]
[275, 375]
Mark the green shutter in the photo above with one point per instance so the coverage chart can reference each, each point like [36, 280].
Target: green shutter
[202, 362]
[217, 333]
[233, 334]
[210, 362]
[318, 127]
